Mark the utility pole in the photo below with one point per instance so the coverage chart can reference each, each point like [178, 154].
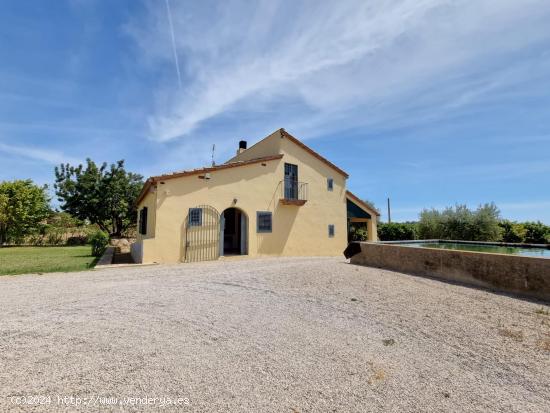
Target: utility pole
[389, 212]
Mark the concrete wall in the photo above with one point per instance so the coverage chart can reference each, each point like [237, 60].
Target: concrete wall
[510, 273]
[136, 251]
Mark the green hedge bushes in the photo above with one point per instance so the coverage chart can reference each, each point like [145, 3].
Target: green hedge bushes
[525, 232]
[99, 241]
[397, 231]
[461, 223]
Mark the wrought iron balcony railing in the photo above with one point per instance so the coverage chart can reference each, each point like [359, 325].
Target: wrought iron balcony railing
[293, 192]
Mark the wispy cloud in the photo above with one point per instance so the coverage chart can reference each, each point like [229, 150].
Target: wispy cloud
[340, 63]
[173, 38]
[43, 155]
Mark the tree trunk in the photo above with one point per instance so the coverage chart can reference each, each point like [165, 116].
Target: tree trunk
[2, 234]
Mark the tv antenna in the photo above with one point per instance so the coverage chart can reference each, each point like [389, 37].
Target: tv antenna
[213, 150]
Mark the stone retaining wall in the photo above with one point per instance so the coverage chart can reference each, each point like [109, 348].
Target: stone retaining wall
[528, 276]
[107, 257]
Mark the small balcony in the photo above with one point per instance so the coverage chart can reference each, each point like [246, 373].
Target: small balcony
[293, 192]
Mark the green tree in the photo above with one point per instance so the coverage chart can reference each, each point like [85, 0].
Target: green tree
[536, 233]
[63, 220]
[23, 207]
[512, 231]
[430, 225]
[102, 195]
[460, 223]
[485, 224]
[371, 204]
[397, 231]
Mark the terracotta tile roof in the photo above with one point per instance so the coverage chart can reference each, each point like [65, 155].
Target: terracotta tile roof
[361, 203]
[312, 152]
[154, 179]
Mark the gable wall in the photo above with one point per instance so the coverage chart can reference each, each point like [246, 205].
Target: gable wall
[271, 145]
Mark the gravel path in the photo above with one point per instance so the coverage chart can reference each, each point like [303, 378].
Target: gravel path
[281, 335]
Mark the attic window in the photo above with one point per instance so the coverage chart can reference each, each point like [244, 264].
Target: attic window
[195, 217]
[330, 184]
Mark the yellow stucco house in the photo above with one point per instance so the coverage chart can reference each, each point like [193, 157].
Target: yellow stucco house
[276, 198]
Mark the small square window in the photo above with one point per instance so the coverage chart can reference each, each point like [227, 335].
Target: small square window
[331, 231]
[330, 184]
[265, 221]
[195, 217]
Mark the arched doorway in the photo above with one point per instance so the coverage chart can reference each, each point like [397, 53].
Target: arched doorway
[233, 232]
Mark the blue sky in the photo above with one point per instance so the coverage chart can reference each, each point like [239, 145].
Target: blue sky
[428, 102]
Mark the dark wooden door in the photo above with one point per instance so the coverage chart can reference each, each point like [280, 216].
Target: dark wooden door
[291, 181]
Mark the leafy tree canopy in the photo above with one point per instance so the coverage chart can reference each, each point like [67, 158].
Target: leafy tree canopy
[397, 231]
[370, 204]
[461, 223]
[103, 195]
[23, 207]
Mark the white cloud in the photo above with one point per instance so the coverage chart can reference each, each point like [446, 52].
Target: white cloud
[42, 155]
[340, 63]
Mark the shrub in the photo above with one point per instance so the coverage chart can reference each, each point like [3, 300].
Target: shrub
[358, 233]
[460, 223]
[77, 240]
[430, 225]
[35, 239]
[395, 231]
[484, 224]
[54, 236]
[99, 241]
[512, 231]
[536, 233]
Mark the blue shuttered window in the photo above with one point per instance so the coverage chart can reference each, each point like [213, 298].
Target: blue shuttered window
[264, 221]
[195, 217]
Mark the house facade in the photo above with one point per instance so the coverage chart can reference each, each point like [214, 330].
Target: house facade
[276, 198]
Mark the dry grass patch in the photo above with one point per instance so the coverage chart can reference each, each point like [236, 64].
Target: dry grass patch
[542, 311]
[544, 344]
[378, 374]
[514, 334]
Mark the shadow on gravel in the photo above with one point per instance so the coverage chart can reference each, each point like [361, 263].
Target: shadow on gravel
[462, 284]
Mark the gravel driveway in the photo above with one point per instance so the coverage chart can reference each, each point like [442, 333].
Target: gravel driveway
[281, 335]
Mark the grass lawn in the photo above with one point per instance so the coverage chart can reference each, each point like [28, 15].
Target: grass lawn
[22, 260]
